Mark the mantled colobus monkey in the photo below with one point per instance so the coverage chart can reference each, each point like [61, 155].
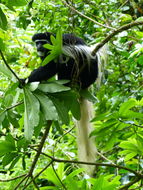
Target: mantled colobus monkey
[80, 67]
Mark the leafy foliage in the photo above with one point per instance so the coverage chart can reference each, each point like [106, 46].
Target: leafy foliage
[118, 122]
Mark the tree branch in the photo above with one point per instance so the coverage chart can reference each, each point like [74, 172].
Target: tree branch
[126, 187]
[81, 14]
[37, 175]
[40, 147]
[4, 60]
[91, 163]
[12, 179]
[13, 106]
[115, 32]
[49, 123]
[64, 187]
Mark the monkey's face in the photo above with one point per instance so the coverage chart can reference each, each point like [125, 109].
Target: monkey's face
[42, 52]
[40, 39]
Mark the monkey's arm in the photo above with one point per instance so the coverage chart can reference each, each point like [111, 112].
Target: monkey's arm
[44, 72]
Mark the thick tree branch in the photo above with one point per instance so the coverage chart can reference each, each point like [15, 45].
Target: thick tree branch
[114, 33]
[40, 147]
[49, 123]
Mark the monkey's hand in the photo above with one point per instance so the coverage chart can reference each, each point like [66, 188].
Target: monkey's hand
[22, 82]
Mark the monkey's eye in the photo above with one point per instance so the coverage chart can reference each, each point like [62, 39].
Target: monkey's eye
[40, 43]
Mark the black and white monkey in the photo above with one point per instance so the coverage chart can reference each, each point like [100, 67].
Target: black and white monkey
[81, 68]
[75, 64]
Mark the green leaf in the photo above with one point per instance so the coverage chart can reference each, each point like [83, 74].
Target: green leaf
[51, 176]
[132, 145]
[87, 95]
[56, 50]
[8, 158]
[38, 128]
[76, 172]
[2, 116]
[127, 105]
[17, 2]
[12, 117]
[31, 114]
[53, 40]
[130, 156]
[47, 107]
[75, 108]
[140, 60]
[60, 170]
[2, 45]
[61, 109]
[5, 71]
[104, 128]
[3, 20]
[98, 185]
[103, 116]
[71, 183]
[106, 183]
[49, 58]
[132, 114]
[59, 40]
[23, 162]
[6, 147]
[22, 143]
[48, 46]
[10, 138]
[53, 87]
[14, 162]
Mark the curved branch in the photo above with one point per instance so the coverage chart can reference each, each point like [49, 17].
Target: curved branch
[114, 33]
[4, 60]
[12, 179]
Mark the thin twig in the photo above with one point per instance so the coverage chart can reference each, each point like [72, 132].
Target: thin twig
[34, 182]
[58, 177]
[126, 187]
[20, 182]
[4, 60]
[81, 14]
[102, 156]
[13, 106]
[92, 163]
[38, 175]
[140, 126]
[12, 179]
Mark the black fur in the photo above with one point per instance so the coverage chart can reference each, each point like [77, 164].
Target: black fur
[78, 66]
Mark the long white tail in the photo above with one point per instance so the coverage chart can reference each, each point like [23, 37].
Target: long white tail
[86, 145]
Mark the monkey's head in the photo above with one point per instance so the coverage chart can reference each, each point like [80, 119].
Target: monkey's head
[40, 39]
